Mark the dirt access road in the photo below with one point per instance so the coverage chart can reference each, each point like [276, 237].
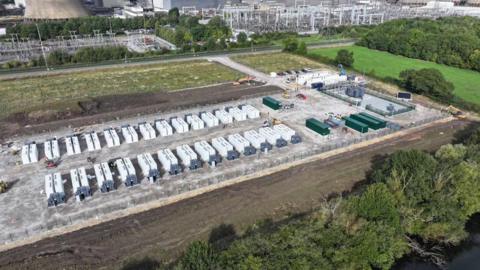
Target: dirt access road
[163, 232]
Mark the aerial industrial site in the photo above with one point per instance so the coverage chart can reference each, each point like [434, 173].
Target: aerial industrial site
[136, 133]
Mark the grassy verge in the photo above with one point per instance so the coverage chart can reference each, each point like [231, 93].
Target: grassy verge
[276, 62]
[384, 65]
[43, 92]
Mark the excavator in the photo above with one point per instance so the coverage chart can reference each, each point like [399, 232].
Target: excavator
[243, 80]
[455, 112]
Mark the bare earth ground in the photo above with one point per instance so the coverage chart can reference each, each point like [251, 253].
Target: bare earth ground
[114, 107]
[163, 232]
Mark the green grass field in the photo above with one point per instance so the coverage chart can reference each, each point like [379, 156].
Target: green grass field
[37, 93]
[383, 65]
[276, 62]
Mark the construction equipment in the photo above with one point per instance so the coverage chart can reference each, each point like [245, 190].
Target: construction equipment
[272, 122]
[455, 112]
[244, 80]
[301, 96]
[50, 164]
[288, 106]
[342, 70]
[285, 94]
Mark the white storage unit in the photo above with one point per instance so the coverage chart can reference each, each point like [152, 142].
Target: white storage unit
[129, 134]
[257, 140]
[54, 189]
[80, 185]
[179, 125]
[188, 156]
[147, 131]
[287, 133]
[209, 119]
[223, 116]
[224, 148]
[104, 177]
[195, 122]
[73, 145]
[93, 143]
[251, 111]
[127, 171]
[237, 114]
[163, 128]
[111, 137]
[241, 144]
[149, 167]
[169, 161]
[207, 153]
[52, 151]
[273, 137]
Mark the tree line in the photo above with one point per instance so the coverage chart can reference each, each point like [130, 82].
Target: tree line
[413, 200]
[453, 41]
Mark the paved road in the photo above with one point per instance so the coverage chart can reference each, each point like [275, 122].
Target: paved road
[100, 66]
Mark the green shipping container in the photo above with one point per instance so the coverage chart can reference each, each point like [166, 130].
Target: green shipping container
[317, 126]
[356, 125]
[272, 103]
[383, 123]
[367, 121]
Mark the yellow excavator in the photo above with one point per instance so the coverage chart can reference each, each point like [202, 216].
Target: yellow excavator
[285, 94]
[455, 112]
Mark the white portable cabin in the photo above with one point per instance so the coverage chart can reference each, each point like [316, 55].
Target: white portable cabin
[223, 116]
[179, 125]
[273, 137]
[54, 189]
[147, 131]
[73, 145]
[80, 185]
[251, 111]
[52, 151]
[93, 143]
[207, 152]
[257, 140]
[29, 153]
[287, 133]
[209, 119]
[149, 167]
[127, 171]
[188, 156]
[129, 134]
[241, 144]
[111, 137]
[104, 177]
[163, 127]
[237, 114]
[169, 161]
[224, 148]
[195, 122]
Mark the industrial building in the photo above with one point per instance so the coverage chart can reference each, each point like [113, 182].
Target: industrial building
[80, 185]
[188, 156]
[54, 189]
[257, 140]
[165, 5]
[169, 161]
[73, 145]
[224, 148]
[111, 137]
[52, 151]
[287, 133]
[93, 142]
[272, 136]
[54, 9]
[147, 131]
[104, 177]
[207, 153]
[149, 167]
[130, 135]
[164, 128]
[29, 153]
[127, 171]
[241, 144]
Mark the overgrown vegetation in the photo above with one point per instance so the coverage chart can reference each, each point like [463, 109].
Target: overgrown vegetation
[413, 200]
[453, 41]
[276, 62]
[429, 82]
[344, 58]
[60, 91]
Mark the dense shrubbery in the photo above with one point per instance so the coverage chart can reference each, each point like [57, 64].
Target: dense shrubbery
[292, 45]
[429, 82]
[344, 58]
[453, 41]
[412, 195]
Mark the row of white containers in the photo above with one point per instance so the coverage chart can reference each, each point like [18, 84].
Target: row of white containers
[130, 135]
[211, 153]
